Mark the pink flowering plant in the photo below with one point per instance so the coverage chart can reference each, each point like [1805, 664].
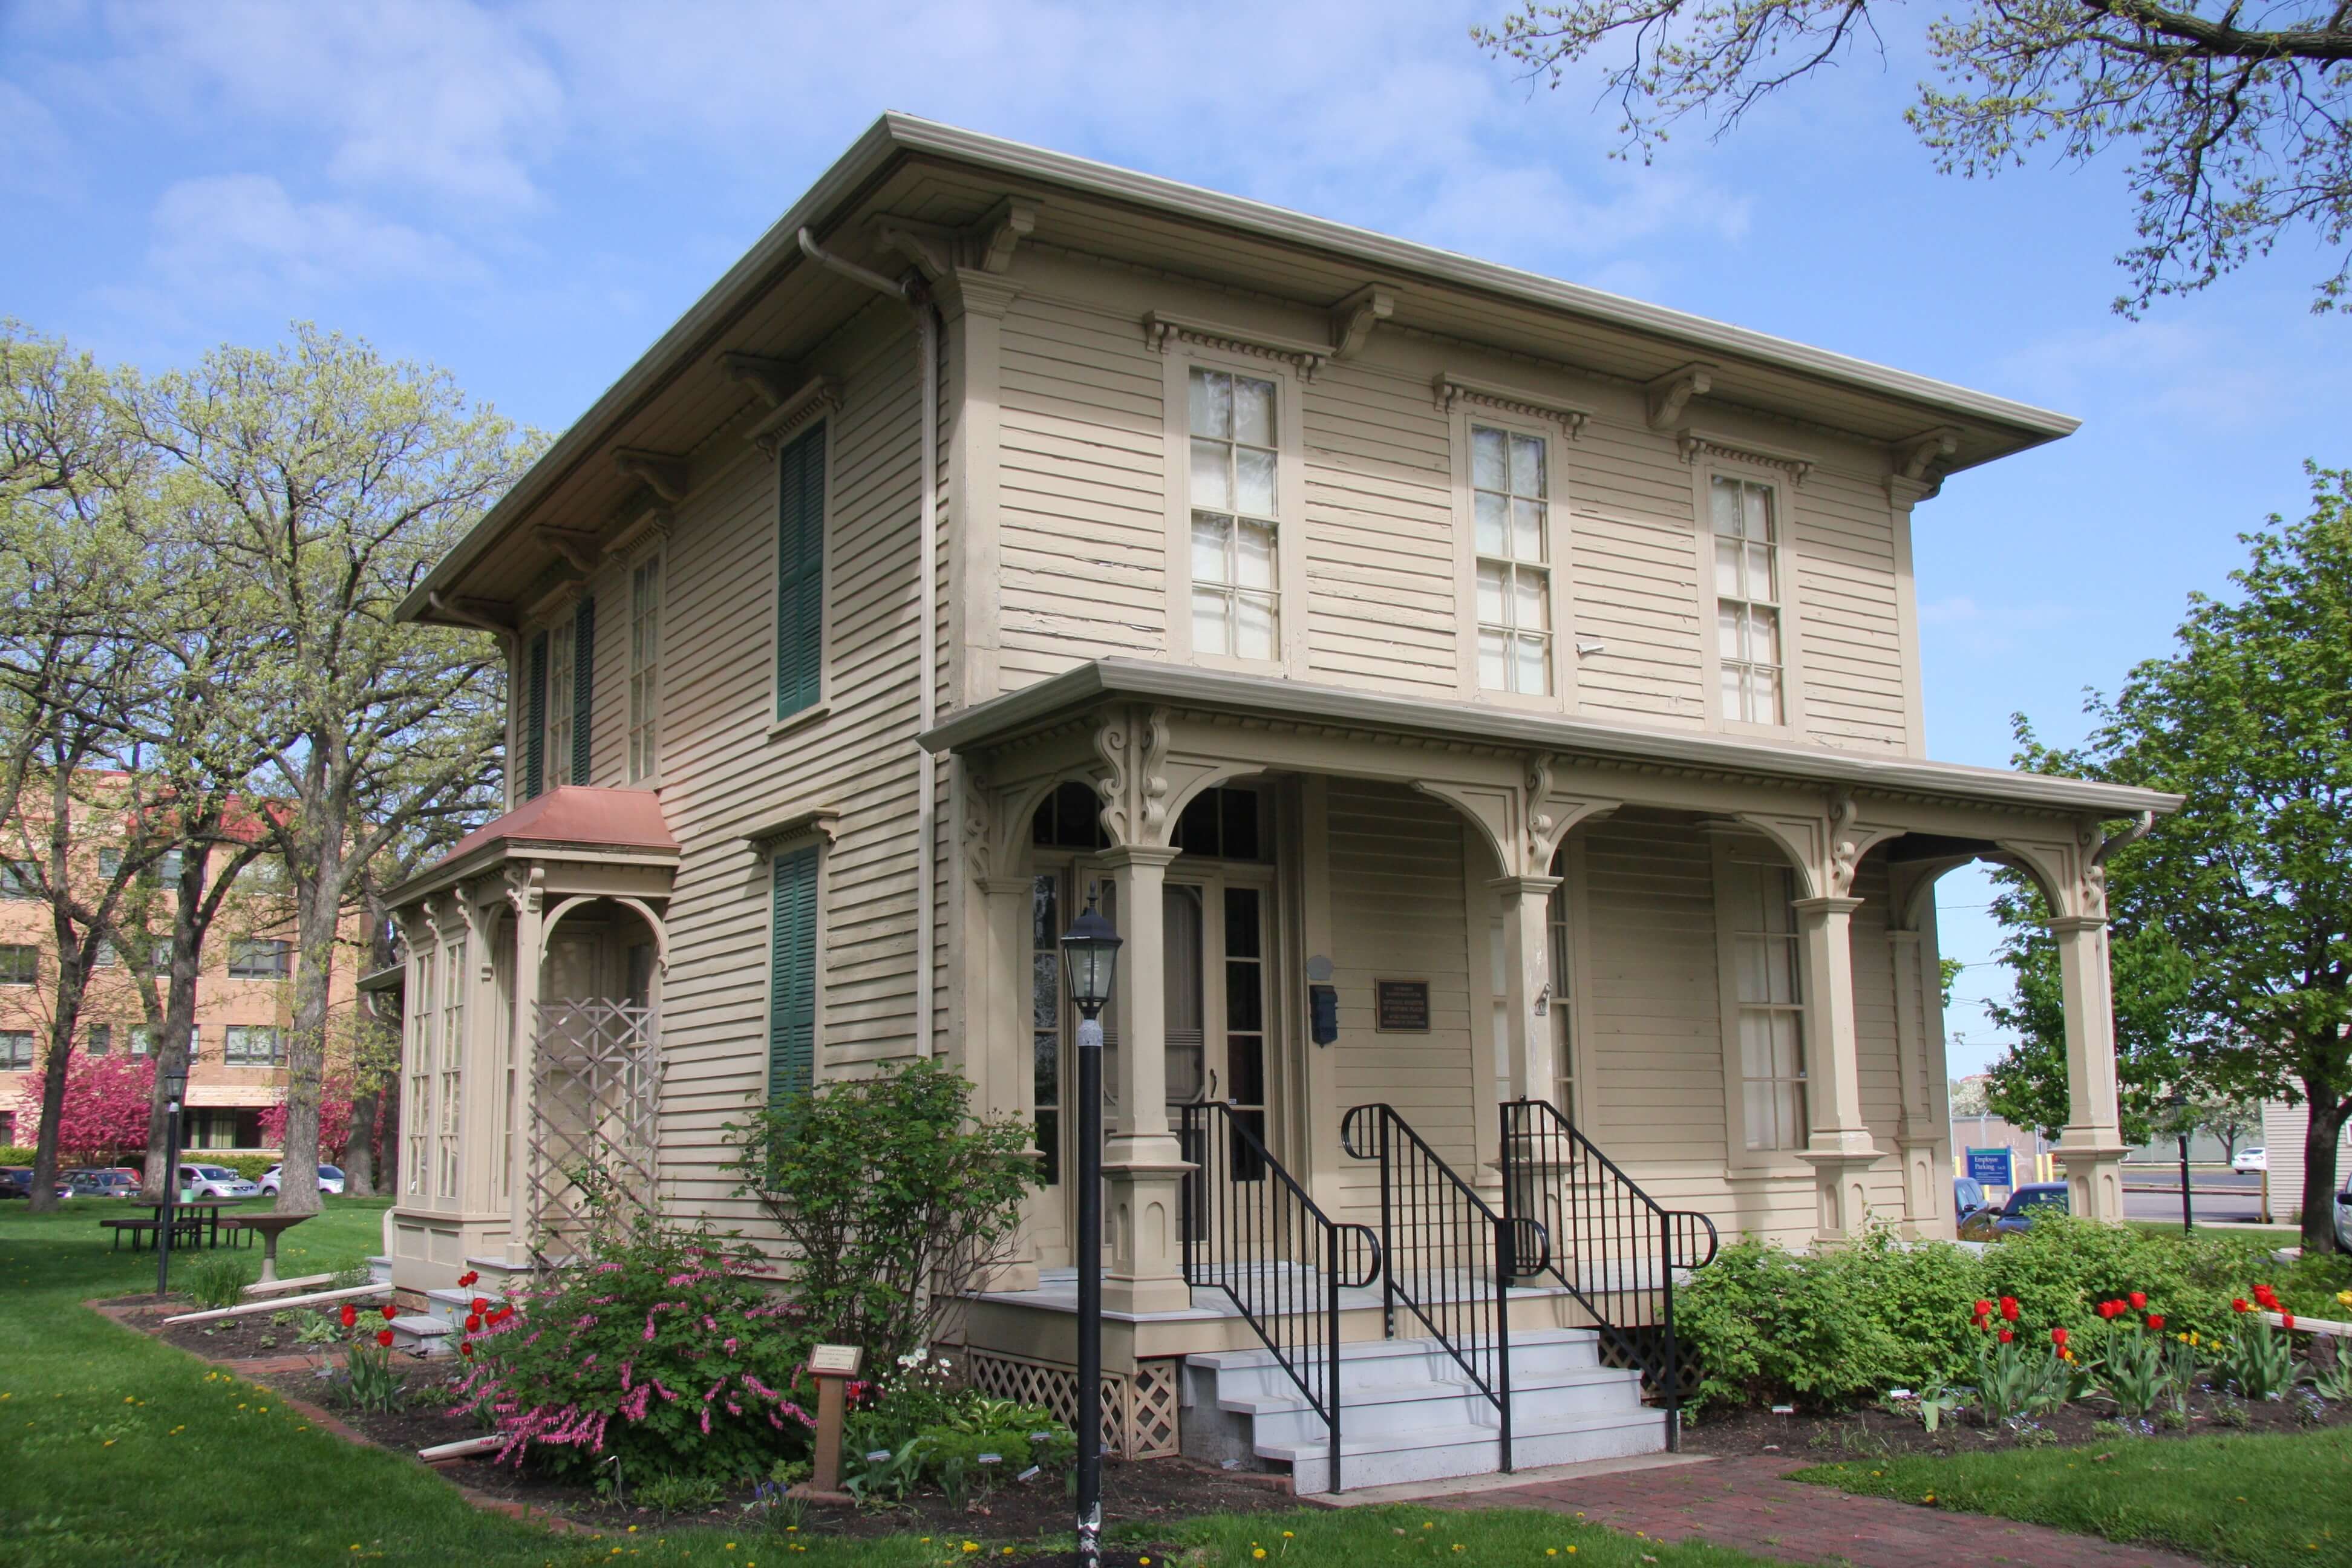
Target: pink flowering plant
[665, 1353]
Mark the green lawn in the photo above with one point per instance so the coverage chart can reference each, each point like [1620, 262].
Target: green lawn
[2258, 1502]
[115, 1451]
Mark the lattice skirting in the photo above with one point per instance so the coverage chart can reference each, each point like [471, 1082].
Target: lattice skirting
[1138, 1413]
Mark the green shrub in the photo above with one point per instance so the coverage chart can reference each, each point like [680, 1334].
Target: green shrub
[664, 1351]
[17, 1154]
[670, 1492]
[252, 1167]
[217, 1279]
[891, 1199]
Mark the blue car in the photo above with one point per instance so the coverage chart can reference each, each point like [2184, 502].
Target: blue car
[2017, 1215]
[1968, 1197]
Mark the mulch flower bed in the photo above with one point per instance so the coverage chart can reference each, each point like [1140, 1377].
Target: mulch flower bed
[1136, 1491]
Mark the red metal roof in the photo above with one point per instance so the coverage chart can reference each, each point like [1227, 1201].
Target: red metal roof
[575, 813]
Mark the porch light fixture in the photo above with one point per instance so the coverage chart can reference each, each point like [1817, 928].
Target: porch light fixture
[1089, 962]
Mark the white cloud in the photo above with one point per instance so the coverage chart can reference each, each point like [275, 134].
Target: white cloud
[243, 235]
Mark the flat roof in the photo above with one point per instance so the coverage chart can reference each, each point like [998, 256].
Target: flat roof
[1004, 717]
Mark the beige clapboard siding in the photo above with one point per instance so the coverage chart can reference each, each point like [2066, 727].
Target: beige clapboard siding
[1397, 913]
[1082, 518]
[1874, 1010]
[1634, 574]
[1383, 592]
[1849, 631]
[723, 772]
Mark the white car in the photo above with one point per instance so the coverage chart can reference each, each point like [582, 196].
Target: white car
[2252, 1160]
[215, 1182]
[330, 1179]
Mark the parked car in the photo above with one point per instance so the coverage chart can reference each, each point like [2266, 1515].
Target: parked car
[1967, 1196]
[216, 1182]
[2015, 1215]
[330, 1179]
[110, 1183]
[2252, 1160]
[16, 1181]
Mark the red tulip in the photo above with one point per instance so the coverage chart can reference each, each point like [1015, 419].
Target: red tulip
[383, 1338]
[466, 1349]
[2006, 1336]
[2058, 1338]
[2238, 1304]
[473, 1322]
[2286, 1320]
[350, 1314]
[1984, 1309]
[2267, 1296]
[2008, 1308]
[2155, 1319]
[481, 1305]
[466, 1280]
[2139, 1300]
[389, 1311]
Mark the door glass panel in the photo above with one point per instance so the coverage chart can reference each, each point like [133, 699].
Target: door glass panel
[1046, 1018]
[1246, 1021]
[1186, 1038]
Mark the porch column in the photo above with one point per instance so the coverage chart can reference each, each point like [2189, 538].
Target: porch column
[1143, 1166]
[2091, 1146]
[998, 1037]
[1838, 1145]
[1527, 994]
[531, 933]
[1905, 955]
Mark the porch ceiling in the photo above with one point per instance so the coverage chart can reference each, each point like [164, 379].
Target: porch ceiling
[1050, 702]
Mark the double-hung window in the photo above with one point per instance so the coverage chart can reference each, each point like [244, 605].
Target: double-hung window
[452, 1032]
[1510, 523]
[1747, 599]
[15, 1050]
[253, 1046]
[100, 1040]
[560, 670]
[260, 958]
[1765, 952]
[19, 879]
[645, 668]
[1236, 496]
[20, 965]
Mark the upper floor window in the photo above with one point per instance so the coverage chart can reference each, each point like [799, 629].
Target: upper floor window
[1235, 507]
[799, 573]
[560, 670]
[253, 1046]
[645, 668]
[1759, 912]
[106, 957]
[1510, 495]
[15, 1050]
[100, 1040]
[19, 879]
[141, 1041]
[1747, 599]
[20, 965]
[260, 958]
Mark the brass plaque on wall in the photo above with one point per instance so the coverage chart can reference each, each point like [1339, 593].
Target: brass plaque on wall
[1401, 1006]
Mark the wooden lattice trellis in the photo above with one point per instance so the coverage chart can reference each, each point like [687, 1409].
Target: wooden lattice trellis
[1138, 1413]
[594, 1104]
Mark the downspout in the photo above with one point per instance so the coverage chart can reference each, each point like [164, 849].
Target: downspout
[916, 297]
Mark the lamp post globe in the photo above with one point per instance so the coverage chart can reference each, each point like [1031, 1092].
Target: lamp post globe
[1089, 962]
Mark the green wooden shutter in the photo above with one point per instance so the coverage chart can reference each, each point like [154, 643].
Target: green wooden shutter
[584, 687]
[800, 573]
[534, 715]
[791, 995]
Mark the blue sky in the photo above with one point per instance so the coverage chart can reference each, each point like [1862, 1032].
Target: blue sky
[528, 194]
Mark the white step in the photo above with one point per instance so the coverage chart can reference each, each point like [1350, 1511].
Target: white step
[421, 1335]
[451, 1306]
[1410, 1412]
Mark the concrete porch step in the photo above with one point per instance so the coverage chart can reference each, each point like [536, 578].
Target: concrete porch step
[421, 1335]
[1425, 1454]
[451, 1306]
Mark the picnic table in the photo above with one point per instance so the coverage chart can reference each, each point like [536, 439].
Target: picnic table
[197, 1221]
[269, 1227]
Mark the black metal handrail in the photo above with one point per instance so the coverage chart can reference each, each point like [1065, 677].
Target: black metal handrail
[1449, 1255]
[1615, 1249]
[1250, 1231]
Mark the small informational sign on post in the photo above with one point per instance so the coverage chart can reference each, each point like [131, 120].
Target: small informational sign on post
[832, 1366]
[1991, 1167]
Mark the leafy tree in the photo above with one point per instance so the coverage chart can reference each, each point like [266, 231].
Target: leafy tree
[2240, 904]
[329, 480]
[2234, 127]
[105, 1108]
[2230, 1119]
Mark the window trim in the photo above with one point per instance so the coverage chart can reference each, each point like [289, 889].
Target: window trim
[1180, 356]
[1563, 696]
[1731, 847]
[1704, 470]
[826, 424]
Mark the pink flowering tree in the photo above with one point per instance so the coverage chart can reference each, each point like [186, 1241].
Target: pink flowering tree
[334, 1120]
[105, 1110]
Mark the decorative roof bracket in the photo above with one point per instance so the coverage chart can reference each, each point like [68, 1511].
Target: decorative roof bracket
[1353, 319]
[662, 472]
[1670, 394]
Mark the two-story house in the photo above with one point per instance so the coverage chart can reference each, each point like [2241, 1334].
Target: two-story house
[1467, 693]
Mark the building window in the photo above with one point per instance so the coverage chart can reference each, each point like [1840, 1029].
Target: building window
[1563, 993]
[106, 957]
[110, 861]
[1069, 818]
[20, 965]
[1766, 958]
[253, 1046]
[581, 749]
[791, 995]
[799, 573]
[15, 1050]
[562, 669]
[452, 1059]
[260, 958]
[645, 668]
[19, 879]
[100, 1040]
[1221, 824]
[1046, 1018]
[1246, 1024]
[417, 1118]
[534, 719]
[1236, 469]
[1510, 494]
[1748, 600]
[142, 1040]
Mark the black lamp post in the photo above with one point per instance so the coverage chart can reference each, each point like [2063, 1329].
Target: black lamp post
[176, 1089]
[2179, 1106]
[1089, 959]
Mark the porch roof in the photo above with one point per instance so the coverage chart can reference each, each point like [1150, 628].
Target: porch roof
[1017, 713]
[576, 814]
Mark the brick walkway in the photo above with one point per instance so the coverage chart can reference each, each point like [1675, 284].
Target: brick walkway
[1746, 1503]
